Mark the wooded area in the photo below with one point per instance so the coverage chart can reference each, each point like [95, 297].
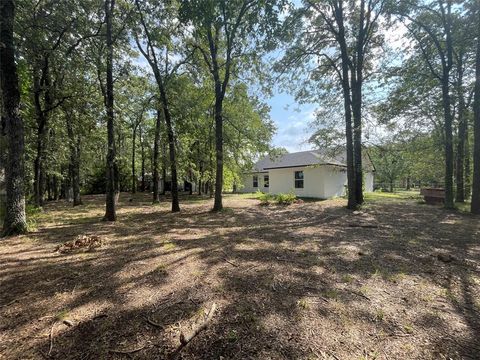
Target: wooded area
[89, 84]
[127, 127]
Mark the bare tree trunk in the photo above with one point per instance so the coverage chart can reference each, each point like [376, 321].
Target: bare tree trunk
[156, 156]
[462, 132]
[142, 149]
[475, 206]
[218, 205]
[164, 168]
[171, 150]
[112, 183]
[134, 176]
[74, 166]
[15, 219]
[468, 171]
[448, 143]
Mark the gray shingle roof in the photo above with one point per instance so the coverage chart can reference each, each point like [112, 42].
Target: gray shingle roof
[302, 158]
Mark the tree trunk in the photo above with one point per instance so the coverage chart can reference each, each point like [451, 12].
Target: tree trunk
[468, 171]
[448, 143]
[134, 176]
[357, 138]
[15, 219]
[218, 205]
[142, 149]
[462, 132]
[74, 166]
[171, 150]
[475, 206]
[112, 183]
[156, 156]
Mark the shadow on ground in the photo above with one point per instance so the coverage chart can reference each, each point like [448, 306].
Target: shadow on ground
[311, 280]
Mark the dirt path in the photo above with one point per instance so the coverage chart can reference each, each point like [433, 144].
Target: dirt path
[307, 281]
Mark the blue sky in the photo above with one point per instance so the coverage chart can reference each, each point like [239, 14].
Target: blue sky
[292, 121]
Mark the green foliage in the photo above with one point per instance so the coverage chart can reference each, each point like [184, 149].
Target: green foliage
[285, 199]
[265, 198]
[281, 199]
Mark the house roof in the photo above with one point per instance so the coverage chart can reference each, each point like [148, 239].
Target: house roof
[299, 159]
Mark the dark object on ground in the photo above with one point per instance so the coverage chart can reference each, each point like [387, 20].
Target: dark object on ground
[433, 195]
[446, 258]
[81, 242]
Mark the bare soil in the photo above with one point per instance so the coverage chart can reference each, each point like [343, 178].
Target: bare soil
[396, 280]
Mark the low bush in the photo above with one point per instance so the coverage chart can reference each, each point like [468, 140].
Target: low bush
[265, 198]
[285, 199]
[281, 199]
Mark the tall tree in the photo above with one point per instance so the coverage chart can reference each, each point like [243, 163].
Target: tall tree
[158, 27]
[333, 42]
[15, 218]
[112, 172]
[431, 27]
[475, 206]
[227, 34]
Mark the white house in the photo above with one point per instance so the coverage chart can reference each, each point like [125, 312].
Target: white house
[307, 174]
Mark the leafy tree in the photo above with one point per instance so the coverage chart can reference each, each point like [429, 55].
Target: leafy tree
[336, 41]
[228, 35]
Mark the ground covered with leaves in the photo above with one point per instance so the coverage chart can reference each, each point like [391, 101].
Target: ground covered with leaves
[395, 280]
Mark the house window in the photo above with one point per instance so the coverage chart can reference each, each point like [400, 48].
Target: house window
[298, 179]
[266, 181]
[255, 181]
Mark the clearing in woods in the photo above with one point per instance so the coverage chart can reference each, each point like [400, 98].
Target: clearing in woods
[397, 280]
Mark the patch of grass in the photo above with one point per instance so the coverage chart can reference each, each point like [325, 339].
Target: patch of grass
[347, 278]
[303, 304]
[232, 336]
[161, 269]
[169, 245]
[463, 207]
[396, 195]
[331, 294]
[379, 315]
[408, 329]
[364, 290]
[61, 315]
[396, 278]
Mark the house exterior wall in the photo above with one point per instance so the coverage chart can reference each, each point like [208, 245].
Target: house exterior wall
[319, 182]
[369, 176]
[247, 183]
[322, 182]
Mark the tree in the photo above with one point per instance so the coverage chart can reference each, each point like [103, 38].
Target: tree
[15, 218]
[431, 28]
[156, 49]
[475, 206]
[227, 34]
[112, 171]
[333, 42]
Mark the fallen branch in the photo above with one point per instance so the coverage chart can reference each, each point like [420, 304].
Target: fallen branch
[365, 226]
[231, 263]
[358, 294]
[113, 351]
[153, 323]
[51, 339]
[185, 339]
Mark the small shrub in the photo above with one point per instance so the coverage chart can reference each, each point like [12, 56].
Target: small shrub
[265, 198]
[285, 199]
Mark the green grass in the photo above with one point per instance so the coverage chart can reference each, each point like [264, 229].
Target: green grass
[463, 207]
[396, 195]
